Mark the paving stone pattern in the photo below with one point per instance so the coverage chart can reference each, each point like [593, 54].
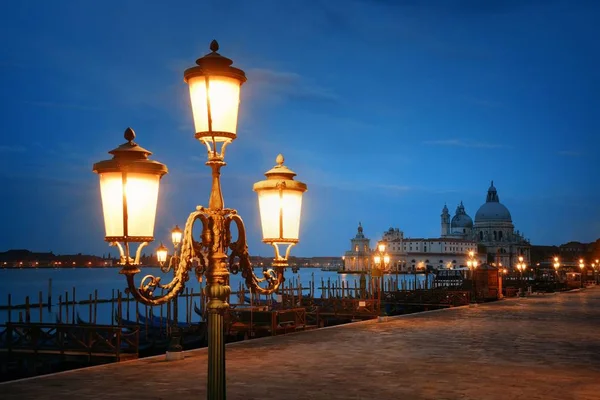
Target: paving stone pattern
[537, 348]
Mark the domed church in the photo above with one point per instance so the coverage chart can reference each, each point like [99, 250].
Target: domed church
[493, 229]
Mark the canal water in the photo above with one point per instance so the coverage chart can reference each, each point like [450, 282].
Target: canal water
[20, 283]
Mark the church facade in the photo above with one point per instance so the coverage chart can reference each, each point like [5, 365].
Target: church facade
[493, 230]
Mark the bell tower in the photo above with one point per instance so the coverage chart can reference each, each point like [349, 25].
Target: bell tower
[445, 221]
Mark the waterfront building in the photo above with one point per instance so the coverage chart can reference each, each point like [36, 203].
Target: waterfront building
[358, 258]
[438, 253]
[418, 254]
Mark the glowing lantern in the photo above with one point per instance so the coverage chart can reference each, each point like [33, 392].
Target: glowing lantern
[280, 203]
[176, 236]
[129, 188]
[161, 254]
[215, 96]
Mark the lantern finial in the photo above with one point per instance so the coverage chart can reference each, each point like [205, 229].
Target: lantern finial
[279, 160]
[129, 135]
[214, 46]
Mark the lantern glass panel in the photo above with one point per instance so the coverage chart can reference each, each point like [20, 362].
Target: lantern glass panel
[111, 190]
[142, 196]
[224, 96]
[271, 203]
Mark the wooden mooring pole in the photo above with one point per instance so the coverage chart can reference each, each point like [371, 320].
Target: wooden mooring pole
[49, 294]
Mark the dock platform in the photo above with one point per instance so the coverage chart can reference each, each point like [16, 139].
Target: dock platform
[540, 347]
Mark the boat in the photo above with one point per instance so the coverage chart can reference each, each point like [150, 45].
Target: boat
[261, 302]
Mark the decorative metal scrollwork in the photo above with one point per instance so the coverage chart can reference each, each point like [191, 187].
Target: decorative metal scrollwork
[195, 255]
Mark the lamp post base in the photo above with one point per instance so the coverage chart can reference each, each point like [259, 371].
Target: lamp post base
[175, 350]
[174, 355]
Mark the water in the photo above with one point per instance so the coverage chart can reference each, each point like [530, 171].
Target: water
[24, 282]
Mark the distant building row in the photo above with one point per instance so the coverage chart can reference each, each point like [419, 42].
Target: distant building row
[492, 237]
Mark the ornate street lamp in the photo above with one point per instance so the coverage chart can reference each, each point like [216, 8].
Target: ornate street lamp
[215, 91]
[581, 266]
[129, 188]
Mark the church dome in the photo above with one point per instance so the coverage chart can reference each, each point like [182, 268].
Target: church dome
[492, 209]
[461, 219]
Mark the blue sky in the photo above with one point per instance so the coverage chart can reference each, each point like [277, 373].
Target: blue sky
[386, 109]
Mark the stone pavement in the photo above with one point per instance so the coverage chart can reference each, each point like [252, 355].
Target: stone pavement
[542, 347]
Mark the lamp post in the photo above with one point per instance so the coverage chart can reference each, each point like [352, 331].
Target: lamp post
[472, 265]
[381, 261]
[521, 268]
[214, 91]
[581, 267]
[556, 267]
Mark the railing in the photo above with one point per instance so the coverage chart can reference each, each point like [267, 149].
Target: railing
[67, 339]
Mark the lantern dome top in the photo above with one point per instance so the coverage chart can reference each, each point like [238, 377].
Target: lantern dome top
[280, 177]
[130, 157]
[214, 64]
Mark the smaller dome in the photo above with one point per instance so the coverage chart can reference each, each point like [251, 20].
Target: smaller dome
[461, 221]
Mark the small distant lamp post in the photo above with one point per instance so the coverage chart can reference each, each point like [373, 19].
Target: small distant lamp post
[521, 268]
[129, 186]
[381, 261]
[556, 268]
[581, 267]
[472, 265]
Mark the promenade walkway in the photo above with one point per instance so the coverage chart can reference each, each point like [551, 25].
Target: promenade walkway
[541, 347]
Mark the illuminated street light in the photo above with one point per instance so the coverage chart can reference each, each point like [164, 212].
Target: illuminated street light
[472, 265]
[176, 235]
[161, 254]
[129, 186]
[556, 268]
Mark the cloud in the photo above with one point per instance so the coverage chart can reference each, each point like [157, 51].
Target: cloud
[290, 85]
[463, 143]
[569, 153]
[11, 149]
